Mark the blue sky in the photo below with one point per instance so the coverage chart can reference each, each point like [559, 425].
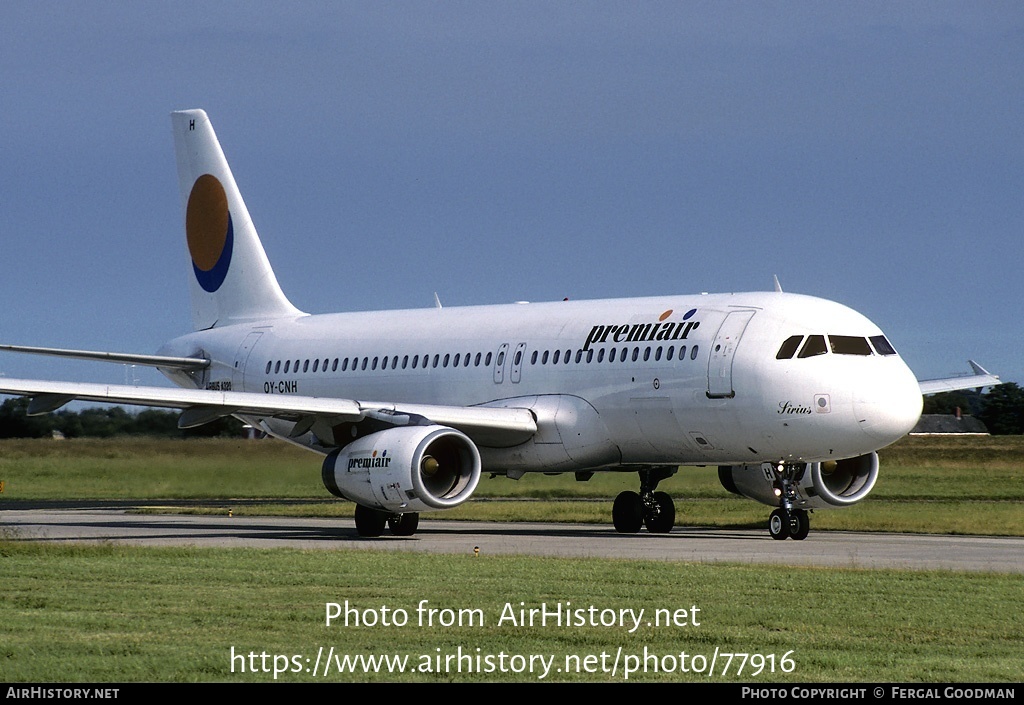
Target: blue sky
[869, 153]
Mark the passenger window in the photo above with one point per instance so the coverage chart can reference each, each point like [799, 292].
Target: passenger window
[316, 365]
[849, 345]
[455, 363]
[600, 355]
[487, 360]
[882, 346]
[446, 358]
[579, 356]
[788, 348]
[636, 354]
[815, 345]
[557, 357]
[647, 354]
[682, 352]
[590, 356]
[657, 354]
[693, 352]
[533, 358]
[622, 355]
[287, 366]
[277, 367]
[334, 365]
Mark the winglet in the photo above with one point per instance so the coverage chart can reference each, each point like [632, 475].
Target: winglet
[978, 369]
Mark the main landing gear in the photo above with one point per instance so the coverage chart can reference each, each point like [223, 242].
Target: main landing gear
[655, 510]
[787, 521]
[370, 522]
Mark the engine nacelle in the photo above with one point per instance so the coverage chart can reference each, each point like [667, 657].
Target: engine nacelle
[819, 485]
[405, 469]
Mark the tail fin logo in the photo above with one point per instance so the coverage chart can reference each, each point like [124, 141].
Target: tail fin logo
[209, 231]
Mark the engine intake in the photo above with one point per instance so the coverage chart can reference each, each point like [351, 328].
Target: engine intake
[834, 483]
[405, 469]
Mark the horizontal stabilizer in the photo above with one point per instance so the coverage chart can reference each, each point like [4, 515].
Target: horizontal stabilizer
[164, 361]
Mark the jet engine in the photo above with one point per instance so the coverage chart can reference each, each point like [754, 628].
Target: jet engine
[405, 469]
[825, 485]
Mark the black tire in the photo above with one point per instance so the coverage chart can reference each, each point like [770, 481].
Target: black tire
[799, 524]
[779, 524]
[370, 522]
[628, 513]
[404, 524]
[665, 519]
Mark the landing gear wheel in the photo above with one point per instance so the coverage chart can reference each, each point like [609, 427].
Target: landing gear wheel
[662, 516]
[779, 524]
[404, 524]
[799, 524]
[628, 513]
[370, 522]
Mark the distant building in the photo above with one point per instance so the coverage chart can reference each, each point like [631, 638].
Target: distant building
[949, 423]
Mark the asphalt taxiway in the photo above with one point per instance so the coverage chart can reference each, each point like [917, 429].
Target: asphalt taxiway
[99, 524]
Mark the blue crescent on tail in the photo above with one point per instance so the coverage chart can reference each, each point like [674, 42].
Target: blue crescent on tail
[209, 231]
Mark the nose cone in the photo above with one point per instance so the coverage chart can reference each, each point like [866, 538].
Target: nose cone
[888, 405]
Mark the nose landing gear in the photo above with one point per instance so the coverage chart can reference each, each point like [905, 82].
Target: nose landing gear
[787, 521]
[789, 524]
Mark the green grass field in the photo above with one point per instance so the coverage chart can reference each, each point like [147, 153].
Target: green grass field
[119, 614]
[970, 485]
[128, 614]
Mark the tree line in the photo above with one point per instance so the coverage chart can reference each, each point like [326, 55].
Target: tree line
[1001, 409]
[104, 422]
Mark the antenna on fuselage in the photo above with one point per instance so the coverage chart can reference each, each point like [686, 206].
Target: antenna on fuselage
[437, 300]
[778, 287]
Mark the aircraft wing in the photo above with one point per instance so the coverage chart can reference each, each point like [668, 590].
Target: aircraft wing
[200, 406]
[980, 378]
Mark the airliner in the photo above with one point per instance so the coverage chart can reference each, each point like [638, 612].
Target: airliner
[790, 396]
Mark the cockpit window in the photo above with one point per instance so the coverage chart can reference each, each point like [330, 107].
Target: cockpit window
[789, 347]
[849, 345]
[882, 346]
[815, 345]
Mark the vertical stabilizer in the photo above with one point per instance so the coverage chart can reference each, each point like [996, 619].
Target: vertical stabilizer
[231, 280]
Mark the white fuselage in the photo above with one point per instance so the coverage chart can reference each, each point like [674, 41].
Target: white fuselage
[650, 381]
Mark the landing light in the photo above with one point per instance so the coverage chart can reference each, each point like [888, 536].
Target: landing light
[829, 467]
